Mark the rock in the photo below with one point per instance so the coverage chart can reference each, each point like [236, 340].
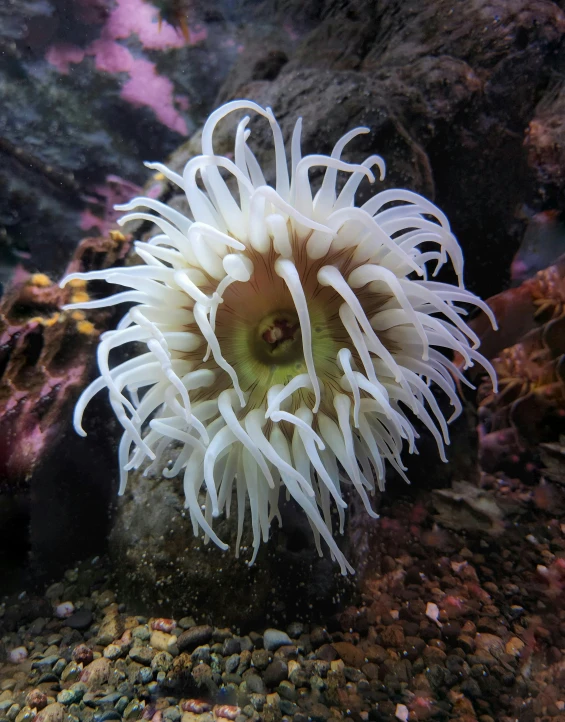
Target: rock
[490, 643]
[36, 699]
[163, 642]
[191, 575]
[70, 696]
[54, 712]
[203, 679]
[96, 673]
[143, 655]
[179, 675]
[81, 619]
[260, 659]
[112, 628]
[194, 637]
[391, 636]
[255, 684]
[352, 656]
[162, 662]
[467, 507]
[83, 654]
[274, 638]
[275, 673]
[514, 646]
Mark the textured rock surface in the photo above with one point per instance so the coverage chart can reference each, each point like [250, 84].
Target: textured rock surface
[48, 475]
[162, 567]
[464, 88]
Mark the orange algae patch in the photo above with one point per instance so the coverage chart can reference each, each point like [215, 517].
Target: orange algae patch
[80, 297]
[86, 327]
[40, 279]
[51, 321]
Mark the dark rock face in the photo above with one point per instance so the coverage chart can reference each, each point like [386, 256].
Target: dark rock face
[464, 89]
[54, 486]
[161, 567]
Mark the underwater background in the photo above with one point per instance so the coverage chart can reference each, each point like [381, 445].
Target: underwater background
[110, 609]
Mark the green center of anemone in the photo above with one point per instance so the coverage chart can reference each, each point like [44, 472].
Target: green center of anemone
[261, 338]
[270, 351]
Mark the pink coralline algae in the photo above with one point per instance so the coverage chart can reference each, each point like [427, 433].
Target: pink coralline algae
[100, 213]
[144, 86]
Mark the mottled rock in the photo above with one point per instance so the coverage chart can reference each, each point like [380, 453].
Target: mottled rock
[54, 712]
[352, 656]
[194, 637]
[96, 673]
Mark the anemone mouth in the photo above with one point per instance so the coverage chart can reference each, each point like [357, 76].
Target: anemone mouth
[277, 339]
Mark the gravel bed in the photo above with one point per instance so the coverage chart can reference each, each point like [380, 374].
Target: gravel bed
[450, 625]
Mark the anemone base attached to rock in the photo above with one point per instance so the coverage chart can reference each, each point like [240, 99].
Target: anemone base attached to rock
[290, 340]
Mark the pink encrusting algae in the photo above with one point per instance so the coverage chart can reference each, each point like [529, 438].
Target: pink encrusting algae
[114, 191]
[144, 87]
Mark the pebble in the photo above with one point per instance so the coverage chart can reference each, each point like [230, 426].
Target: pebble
[514, 646]
[143, 655]
[17, 655]
[81, 619]
[112, 628]
[26, 714]
[36, 699]
[142, 633]
[383, 661]
[97, 673]
[163, 625]
[64, 610]
[275, 673]
[260, 659]
[194, 637]
[201, 655]
[71, 672]
[113, 651]
[275, 638]
[54, 712]
[70, 696]
[83, 654]
[352, 656]
[232, 663]
[134, 710]
[164, 642]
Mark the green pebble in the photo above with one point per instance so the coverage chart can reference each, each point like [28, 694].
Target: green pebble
[133, 710]
[60, 667]
[26, 714]
[71, 672]
[13, 712]
[70, 696]
[121, 704]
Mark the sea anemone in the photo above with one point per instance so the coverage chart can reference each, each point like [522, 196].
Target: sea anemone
[286, 340]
